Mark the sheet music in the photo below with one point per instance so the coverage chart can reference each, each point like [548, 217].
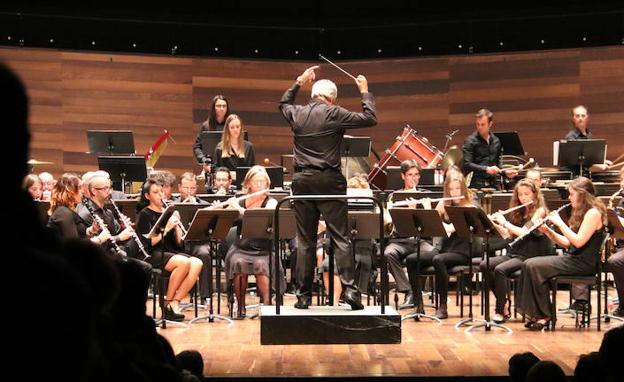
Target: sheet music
[555, 153]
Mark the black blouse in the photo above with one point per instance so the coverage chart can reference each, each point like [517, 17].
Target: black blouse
[233, 161]
[67, 224]
[146, 219]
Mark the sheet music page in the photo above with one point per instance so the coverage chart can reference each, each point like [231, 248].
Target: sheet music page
[555, 153]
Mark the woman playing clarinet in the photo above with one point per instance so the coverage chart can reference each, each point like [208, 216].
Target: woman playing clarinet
[581, 235]
[534, 244]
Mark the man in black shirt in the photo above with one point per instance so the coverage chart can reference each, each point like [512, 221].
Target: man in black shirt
[318, 129]
[482, 151]
[580, 117]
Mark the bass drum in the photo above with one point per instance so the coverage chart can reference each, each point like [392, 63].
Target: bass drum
[410, 145]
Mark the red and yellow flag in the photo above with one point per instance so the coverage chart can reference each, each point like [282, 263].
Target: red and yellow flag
[154, 152]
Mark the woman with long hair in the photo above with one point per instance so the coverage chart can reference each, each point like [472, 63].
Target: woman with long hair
[534, 244]
[32, 184]
[251, 256]
[166, 249]
[582, 235]
[451, 251]
[219, 111]
[233, 151]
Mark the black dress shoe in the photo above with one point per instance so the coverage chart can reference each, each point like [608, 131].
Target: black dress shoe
[170, 315]
[353, 297]
[303, 302]
[408, 302]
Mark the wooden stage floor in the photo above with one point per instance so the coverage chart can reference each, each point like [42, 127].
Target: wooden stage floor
[427, 349]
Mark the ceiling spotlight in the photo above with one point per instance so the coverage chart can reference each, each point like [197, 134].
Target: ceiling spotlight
[379, 50]
[501, 43]
[134, 44]
[9, 38]
[542, 41]
[584, 39]
[296, 52]
[216, 49]
[338, 52]
[51, 41]
[459, 46]
[256, 51]
[420, 48]
[93, 43]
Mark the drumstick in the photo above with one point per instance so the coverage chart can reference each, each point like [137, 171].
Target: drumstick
[337, 67]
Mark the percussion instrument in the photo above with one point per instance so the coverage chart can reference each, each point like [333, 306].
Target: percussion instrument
[410, 145]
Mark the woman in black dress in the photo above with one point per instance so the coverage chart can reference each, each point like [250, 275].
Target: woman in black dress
[166, 249]
[251, 256]
[534, 244]
[64, 221]
[233, 151]
[219, 111]
[452, 250]
[582, 236]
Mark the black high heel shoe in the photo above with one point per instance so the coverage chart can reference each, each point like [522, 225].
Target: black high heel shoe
[171, 315]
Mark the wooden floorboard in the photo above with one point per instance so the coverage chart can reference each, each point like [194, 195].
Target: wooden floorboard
[427, 349]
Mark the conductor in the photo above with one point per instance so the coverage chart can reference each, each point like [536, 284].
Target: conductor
[318, 129]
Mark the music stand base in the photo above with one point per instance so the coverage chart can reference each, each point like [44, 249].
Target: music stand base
[488, 325]
[418, 316]
[608, 317]
[211, 318]
[159, 321]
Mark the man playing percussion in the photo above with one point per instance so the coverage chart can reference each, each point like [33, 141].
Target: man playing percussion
[318, 129]
[482, 152]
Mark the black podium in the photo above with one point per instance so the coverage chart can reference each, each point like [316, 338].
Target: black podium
[469, 223]
[123, 168]
[581, 153]
[417, 223]
[211, 225]
[110, 142]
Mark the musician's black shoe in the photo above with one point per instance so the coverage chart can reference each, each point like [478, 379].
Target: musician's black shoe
[353, 297]
[408, 302]
[170, 315]
[303, 302]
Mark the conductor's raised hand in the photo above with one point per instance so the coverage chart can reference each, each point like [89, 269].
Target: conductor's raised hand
[362, 83]
[308, 75]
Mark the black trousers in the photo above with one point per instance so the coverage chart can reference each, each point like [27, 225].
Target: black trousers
[395, 252]
[615, 265]
[307, 213]
[500, 268]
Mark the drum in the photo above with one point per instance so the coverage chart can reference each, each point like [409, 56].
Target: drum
[410, 145]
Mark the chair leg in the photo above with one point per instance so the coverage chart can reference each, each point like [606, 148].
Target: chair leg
[553, 318]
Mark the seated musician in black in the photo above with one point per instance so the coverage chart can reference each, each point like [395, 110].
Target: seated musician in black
[233, 151]
[251, 256]
[99, 195]
[534, 244]
[482, 152]
[399, 248]
[582, 234]
[166, 249]
[222, 182]
[449, 252]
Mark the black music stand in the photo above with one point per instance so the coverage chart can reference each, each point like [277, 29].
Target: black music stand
[110, 142]
[510, 143]
[211, 226]
[471, 222]
[124, 168]
[210, 139]
[354, 147]
[418, 223]
[258, 224]
[581, 153]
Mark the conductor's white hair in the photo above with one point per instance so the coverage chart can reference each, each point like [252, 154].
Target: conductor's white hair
[325, 88]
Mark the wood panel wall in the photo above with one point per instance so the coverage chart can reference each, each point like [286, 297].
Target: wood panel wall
[529, 92]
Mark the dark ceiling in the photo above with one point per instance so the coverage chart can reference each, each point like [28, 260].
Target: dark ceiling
[300, 30]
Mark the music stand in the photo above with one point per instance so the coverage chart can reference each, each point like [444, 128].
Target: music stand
[211, 226]
[581, 153]
[510, 143]
[110, 142]
[210, 139]
[276, 175]
[418, 223]
[258, 224]
[124, 168]
[471, 222]
[354, 147]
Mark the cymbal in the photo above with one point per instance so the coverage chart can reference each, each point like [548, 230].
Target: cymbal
[34, 162]
[452, 157]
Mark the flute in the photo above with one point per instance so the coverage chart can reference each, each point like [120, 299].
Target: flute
[410, 201]
[239, 199]
[505, 212]
[537, 225]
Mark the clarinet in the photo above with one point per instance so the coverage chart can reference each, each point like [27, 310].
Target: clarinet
[536, 225]
[101, 223]
[126, 223]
